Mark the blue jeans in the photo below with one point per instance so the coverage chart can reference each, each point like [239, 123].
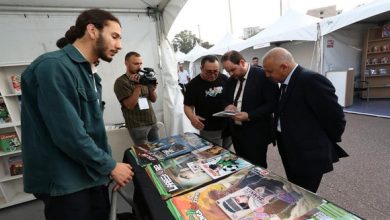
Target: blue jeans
[144, 134]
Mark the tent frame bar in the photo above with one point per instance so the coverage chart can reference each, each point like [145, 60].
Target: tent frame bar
[4, 9]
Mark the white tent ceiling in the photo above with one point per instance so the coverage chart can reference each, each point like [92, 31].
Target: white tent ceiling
[170, 8]
[145, 24]
[379, 9]
[291, 26]
[194, 53]
[223, 45]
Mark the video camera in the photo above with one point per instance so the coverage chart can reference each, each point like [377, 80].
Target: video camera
[147, 77]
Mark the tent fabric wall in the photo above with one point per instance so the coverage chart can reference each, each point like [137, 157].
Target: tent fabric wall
[341, 51]
[28, 34]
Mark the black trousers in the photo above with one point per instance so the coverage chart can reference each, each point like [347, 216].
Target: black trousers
[248, 145]
[88, 204]
[310, 181]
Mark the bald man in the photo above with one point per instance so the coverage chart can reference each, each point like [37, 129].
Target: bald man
[309, 120]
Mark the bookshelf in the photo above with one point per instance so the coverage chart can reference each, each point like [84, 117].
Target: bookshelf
[11, 180]
[376, 62]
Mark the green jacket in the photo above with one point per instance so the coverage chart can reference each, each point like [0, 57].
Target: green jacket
[64, 142]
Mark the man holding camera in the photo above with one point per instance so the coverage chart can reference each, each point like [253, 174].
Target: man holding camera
[136, 93]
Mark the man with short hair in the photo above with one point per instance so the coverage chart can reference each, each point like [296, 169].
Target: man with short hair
[255, 62]
[136, 101]
[184, 78]
[204, 98]
[254, 97]
[67, 160]
[309, 120]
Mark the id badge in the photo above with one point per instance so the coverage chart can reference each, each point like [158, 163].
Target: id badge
[143, 103]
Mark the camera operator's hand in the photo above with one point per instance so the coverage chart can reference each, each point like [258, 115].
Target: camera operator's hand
[152, 87]
[134, 77]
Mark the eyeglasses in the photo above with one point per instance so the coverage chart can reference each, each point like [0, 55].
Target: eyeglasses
[209, 72]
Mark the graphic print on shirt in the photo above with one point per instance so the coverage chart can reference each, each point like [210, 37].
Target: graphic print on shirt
[213, 92]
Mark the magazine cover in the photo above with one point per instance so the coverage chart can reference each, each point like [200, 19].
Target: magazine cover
[224, 114]
[273, 198]
[9, 142]
[242, 202]
[223, 165]
[142, 156]
[4, 115]
[15, 83]
[200, 203]
[177, 175]
[170, 147]
[327, 211]
[15, 165]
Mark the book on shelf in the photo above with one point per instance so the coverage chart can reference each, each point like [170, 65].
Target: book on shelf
[251, 193]
[180, 174]
[15, 165]
[9, 142]
[169, 147]
[222, 165]
[4, 114]
[15, 80]
[225, 113]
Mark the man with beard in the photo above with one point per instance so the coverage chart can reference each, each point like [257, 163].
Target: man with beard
[254, 97]
[67, 160]
[136, 101]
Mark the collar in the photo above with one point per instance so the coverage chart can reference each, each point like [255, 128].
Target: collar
[74, 54]
[247, 72]
[287, 80]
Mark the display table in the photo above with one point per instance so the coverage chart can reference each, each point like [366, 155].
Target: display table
[156, 207]
[267, 194]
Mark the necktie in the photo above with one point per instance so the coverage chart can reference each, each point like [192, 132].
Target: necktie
[238, 92]
[282, 91]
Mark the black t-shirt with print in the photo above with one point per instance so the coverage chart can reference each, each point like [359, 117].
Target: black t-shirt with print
[207, 99]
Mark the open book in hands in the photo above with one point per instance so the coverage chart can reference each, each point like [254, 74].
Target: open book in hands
[225, 113]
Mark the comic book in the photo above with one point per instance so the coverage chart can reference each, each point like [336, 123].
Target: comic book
[169, 147]
[9, 142]
[222, 165]
[15, 83]
[272, 198]
[4, 114]
[180, 174]
[327, 211]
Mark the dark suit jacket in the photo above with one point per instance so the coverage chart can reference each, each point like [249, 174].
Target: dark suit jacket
[312, 122]
[259, 100]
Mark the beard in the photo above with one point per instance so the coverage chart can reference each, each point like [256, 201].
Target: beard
[101, 49]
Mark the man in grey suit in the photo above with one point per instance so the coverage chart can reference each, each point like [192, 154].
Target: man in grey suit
[309, 120]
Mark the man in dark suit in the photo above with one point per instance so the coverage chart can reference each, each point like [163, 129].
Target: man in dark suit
[309, 120]
[254, 97]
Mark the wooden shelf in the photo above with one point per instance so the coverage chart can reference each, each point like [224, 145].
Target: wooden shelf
[379, 84]
[379, 52]
[378, 64]
[379, 40]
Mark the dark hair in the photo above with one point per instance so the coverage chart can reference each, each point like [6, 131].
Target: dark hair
[94, 16]
[233, 56]
[255, 58]
[131, 53]
[208, 58]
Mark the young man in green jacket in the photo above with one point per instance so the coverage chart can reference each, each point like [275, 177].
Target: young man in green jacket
[67, 160]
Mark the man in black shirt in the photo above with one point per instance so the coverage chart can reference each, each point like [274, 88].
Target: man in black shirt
[203, 98]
